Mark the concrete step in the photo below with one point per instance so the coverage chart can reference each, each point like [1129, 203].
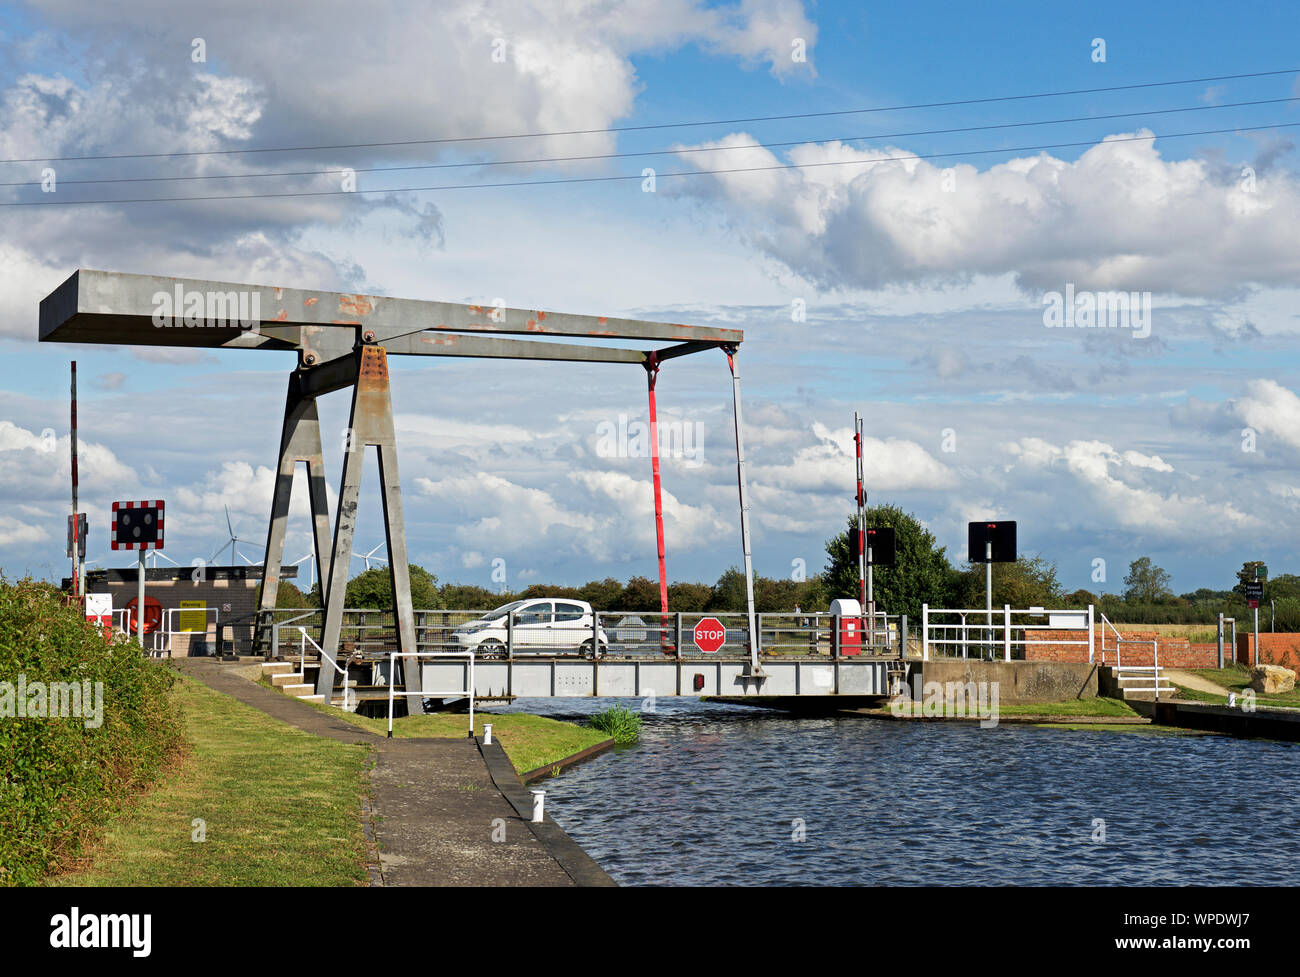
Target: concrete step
[312, 698]
[277, 668]
[298, 690]
[280, 679]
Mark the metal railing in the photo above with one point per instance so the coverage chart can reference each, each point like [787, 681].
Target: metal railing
[1123, 673]
[1000, 633]
[324, 658]
[468, 691]
[1106, 625]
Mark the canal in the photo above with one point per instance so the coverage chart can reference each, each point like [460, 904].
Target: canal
[728, 795]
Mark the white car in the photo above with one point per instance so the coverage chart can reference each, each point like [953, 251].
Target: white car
[542, 626]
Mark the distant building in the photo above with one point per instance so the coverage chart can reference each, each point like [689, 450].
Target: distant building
[223, 594]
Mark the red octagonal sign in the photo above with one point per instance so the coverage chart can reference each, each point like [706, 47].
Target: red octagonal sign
[710, 635]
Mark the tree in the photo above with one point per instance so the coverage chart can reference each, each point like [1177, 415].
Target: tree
[471, 597]
[922, 575]
[689, 598]
[602, 595]
[640, 594]
[374, 589]
[1246, 575]
[1146, 583]
[1029, 582]
[729, 592]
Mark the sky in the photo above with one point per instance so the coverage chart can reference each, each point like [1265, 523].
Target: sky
[877, 259]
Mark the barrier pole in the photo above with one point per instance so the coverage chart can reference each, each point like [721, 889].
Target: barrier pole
[1006, 633]
[392, 677]
[925, 632]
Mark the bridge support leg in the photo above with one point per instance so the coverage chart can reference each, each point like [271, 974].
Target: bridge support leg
[755, 639]
[371, 423]
[299, 441]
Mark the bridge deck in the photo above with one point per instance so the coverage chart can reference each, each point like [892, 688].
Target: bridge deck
[639, 677]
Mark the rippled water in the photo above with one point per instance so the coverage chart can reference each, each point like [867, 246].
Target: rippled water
[711, 795]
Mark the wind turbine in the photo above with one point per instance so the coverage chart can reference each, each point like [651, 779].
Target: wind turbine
[232, 543]
[153, 556]
[370, 556]
[311, 573]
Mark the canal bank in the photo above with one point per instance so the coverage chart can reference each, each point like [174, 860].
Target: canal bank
[443, 811]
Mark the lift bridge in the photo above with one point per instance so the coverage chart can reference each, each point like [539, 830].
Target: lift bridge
[343, 340]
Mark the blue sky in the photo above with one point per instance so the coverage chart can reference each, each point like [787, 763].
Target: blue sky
[924, 304]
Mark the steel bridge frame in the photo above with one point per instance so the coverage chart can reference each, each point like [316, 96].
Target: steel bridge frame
[344, 340]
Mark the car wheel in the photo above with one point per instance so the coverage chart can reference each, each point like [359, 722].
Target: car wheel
[586, 649]
[491, 648]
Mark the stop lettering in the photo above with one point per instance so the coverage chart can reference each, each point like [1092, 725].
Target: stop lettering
[710, 635]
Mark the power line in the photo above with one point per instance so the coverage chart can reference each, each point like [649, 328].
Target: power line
[659, 125]
[661, 152]
[637, 176]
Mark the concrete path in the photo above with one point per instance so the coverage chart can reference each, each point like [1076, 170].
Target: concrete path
[1193, 681]
[445, 811]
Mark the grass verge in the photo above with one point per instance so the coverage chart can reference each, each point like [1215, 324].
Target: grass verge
[1236, 678]
[1098, 706]
[278, 807]
[529, 741]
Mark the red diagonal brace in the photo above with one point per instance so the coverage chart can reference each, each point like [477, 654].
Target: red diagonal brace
[652, 374]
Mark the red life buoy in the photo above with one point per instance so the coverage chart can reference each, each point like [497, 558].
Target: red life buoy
[152, 615]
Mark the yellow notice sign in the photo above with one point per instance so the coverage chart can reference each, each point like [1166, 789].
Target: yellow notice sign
[193, 615]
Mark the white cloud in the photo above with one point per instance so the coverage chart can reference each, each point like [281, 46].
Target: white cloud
[1119, 217]
[830, 466]
[1271, 409]
[1097, 467]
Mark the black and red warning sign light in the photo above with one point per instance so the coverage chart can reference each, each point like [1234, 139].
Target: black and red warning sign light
[137, 525]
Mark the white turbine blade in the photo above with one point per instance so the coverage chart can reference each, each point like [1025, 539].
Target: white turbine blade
[228, 525]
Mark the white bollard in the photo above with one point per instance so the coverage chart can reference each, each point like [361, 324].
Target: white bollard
[539, 806]
[487, 734]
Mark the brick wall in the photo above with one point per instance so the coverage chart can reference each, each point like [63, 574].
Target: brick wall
[1274, 649]
[1173, 652]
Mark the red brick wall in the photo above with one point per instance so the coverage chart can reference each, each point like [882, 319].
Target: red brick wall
[1274, 649]
[1173, 652]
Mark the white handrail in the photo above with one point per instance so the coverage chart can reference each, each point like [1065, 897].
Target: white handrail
[324, 658]
[392, 678]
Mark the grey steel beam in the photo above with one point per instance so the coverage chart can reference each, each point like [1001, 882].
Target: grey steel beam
[371, 423]
[299, 441]
[112, 307]
[493, 347]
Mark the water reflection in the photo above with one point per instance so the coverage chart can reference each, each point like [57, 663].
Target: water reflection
[711, 795]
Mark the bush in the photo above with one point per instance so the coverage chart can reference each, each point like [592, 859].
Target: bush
[619, 722]
[59, 779]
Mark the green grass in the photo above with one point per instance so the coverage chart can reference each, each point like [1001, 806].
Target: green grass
[1236, 678]
[1097, 706]
[529, 741]
[618, 722]
[1149, 729]
[1195, 633]
[281, 807]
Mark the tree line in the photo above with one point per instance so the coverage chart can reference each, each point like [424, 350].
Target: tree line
[923, 574]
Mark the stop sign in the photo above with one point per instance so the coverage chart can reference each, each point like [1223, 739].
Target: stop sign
[710, 634]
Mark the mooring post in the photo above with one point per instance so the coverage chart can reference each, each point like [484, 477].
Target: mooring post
[1220, 639]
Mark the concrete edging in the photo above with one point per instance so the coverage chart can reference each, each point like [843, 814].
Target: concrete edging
[568, 854]
[563, 764]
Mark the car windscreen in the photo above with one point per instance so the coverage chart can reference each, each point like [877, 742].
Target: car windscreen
[503, 610]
